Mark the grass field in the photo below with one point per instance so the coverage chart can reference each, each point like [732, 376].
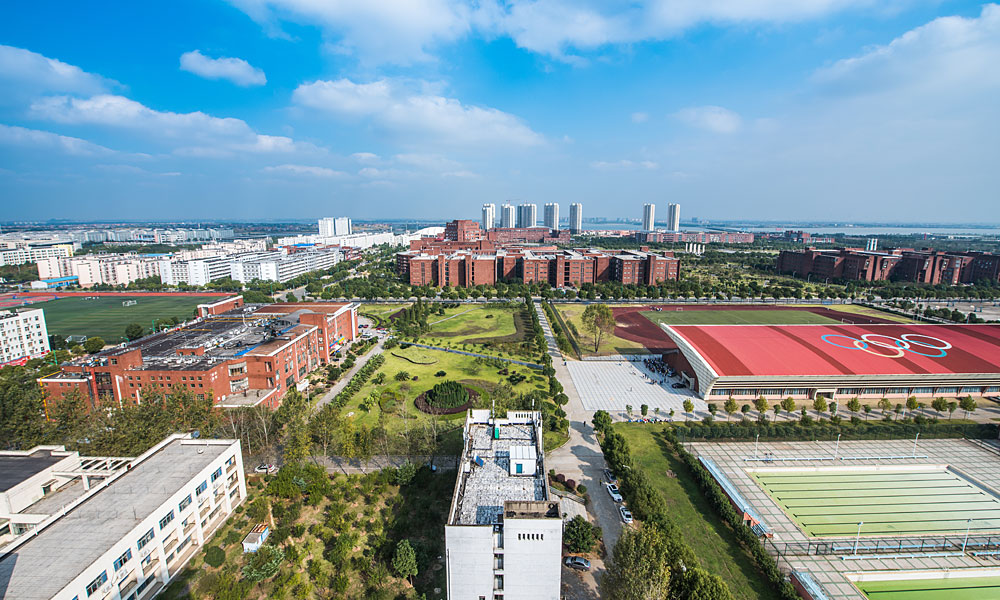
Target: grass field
[107, 318]
[887, 501]
[870, 312]
[711, 539]
[494, 331]
[966, 588]
[736, 317]
[571, 313]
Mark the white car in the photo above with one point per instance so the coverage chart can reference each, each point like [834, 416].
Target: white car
[613, 491]
[626, 514]
[266, 468]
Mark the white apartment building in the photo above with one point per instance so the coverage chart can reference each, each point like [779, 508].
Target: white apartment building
[128, 536]
[22, 335]
[94, 269]
[194, 271]
[331, 226]
[674, 217]
[648, 217]
[575, 218]
[489, 216]
[19, 255]
[275, 266]
[551, 216]
[527, 215]
[355, 240]
[503, 538]
[507, 216]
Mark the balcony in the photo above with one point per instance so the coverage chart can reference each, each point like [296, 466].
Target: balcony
[150, 568]
[171, 543]
[231, 467]
[204, 510]
[128, 585]
[189, 527]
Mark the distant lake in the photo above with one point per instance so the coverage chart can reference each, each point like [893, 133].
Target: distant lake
[884, 230]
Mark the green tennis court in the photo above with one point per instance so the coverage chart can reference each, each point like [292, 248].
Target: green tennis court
[967, 588]
[737, 317]
[831, 502]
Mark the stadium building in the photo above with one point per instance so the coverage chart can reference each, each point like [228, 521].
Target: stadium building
[838, 361]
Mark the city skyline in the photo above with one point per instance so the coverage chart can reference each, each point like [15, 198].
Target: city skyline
[262, 108]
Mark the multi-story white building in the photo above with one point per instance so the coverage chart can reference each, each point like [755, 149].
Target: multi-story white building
[331, 226]
[129, 536]
[674, 217]
[507, 216]
[489, 216]
[551, 218]
[503, 538]
[22, 335]
[275, 266]
[648, 217]
[575, 218]
[94, 269]
[527, 215]
[12, 253]
[195, 271]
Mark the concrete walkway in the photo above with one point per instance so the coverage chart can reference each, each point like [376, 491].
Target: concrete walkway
[581, 459]
[346, 378]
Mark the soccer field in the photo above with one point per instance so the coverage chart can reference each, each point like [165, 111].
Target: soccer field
[107, 318]
[967, 588]
[829, 502]
[672, 316]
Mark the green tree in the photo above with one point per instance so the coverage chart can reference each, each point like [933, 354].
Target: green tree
[885, 406]
[598, 321]
[688, 408]
[628, 410]
[939, 404]
[134, 331]
[639, 568]
[698, 584]
[405, 560]
[911, 403]
[730, 406]
[644, 409]
[215, 556]
[854, 405]
[579, 535]
[761, 405]
[602, 420]
[745, 409]
[263, 564]
[819, 405]
[712, 409]
[94, 344]
[968, 404]
[777, 409]
[868, 410]
[788, 404]
[952, 406]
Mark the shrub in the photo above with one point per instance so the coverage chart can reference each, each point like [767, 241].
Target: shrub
[571, 484]
[579, 535]
[581, 488]
[440, 374]
[447, 394]
[264, 563]
[215, 556]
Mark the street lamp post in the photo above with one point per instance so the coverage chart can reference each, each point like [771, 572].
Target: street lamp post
[915, 444]
[968, 526]
[858, 538]
[836, 449]
[755, 445]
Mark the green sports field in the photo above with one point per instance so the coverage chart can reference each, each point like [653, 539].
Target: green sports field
[106, 317]
[889, 502]
[967, 588]
[671, 316]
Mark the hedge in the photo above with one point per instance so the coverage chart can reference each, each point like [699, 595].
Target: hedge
[359, 380]
[860, 430]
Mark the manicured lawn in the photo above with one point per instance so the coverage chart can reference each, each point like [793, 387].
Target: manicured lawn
[966, 588]
[571, 313]
[711, 539]
[465, 323]
[869, 312]
[402, 415]
[672, 316]
[106, 317]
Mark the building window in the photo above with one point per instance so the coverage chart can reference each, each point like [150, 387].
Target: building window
[217, 474]
[96, 584]
[121, 560]
[167, 518]
[201, 488]
[145, 539]
[184, 503]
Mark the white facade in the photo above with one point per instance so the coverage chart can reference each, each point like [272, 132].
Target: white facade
[142, 525]
[95, 269]
[503, 538]
[489, 215]
[527, 215]
[22, 255]
[355, 240]
[22, 334]
[551, 219]
[195, 271]
[674, 217]
[575, 218]
[648, 217]
[331, 226]
[281, 267]
[507, 216]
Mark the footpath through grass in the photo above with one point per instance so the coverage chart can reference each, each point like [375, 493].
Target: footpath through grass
[672, 316]
[710, 538]
[105, 316]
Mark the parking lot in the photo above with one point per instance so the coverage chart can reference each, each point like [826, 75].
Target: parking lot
[611, 385]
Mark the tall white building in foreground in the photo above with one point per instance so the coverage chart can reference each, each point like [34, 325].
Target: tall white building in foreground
[22, 335]
[504, 533]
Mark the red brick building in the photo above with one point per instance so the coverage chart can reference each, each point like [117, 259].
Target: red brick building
[243, 357]
[462, 230]
[900, 264]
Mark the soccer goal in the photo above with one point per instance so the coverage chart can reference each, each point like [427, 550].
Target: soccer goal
[129, 302]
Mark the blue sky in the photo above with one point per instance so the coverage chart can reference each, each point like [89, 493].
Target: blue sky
[770, 109]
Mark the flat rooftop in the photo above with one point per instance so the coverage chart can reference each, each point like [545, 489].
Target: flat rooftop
[48, 562]
[485, 489]
[15, 469]
[802, 350]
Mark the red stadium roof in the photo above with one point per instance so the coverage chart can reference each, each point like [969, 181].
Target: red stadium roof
[782, 350]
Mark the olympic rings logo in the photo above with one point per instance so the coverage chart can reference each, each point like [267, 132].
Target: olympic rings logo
[900, 346]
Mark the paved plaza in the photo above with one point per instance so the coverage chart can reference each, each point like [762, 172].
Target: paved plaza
[610, 385]
[832, 571]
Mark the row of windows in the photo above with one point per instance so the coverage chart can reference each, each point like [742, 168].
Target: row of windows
[121, 560]
[847, 392]
[531, 536]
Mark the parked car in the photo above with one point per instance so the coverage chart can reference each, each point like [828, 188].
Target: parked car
[626, 514]
[613, 491]
[610, 477]
[577, 562]
[266, 468]
[677, 385]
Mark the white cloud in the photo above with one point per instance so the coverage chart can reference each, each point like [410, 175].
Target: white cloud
[304, 170]
[602, 165]
[431, 162]
[712, 118]
[235, 70]
[432, 118]
[365, 156]
[133, 170]
[460, 174]
[640, 117]
[195, 134]
[24, 73]
[395, 31]
[45, 140]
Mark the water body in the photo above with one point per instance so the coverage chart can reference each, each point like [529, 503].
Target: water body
[884, 230]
